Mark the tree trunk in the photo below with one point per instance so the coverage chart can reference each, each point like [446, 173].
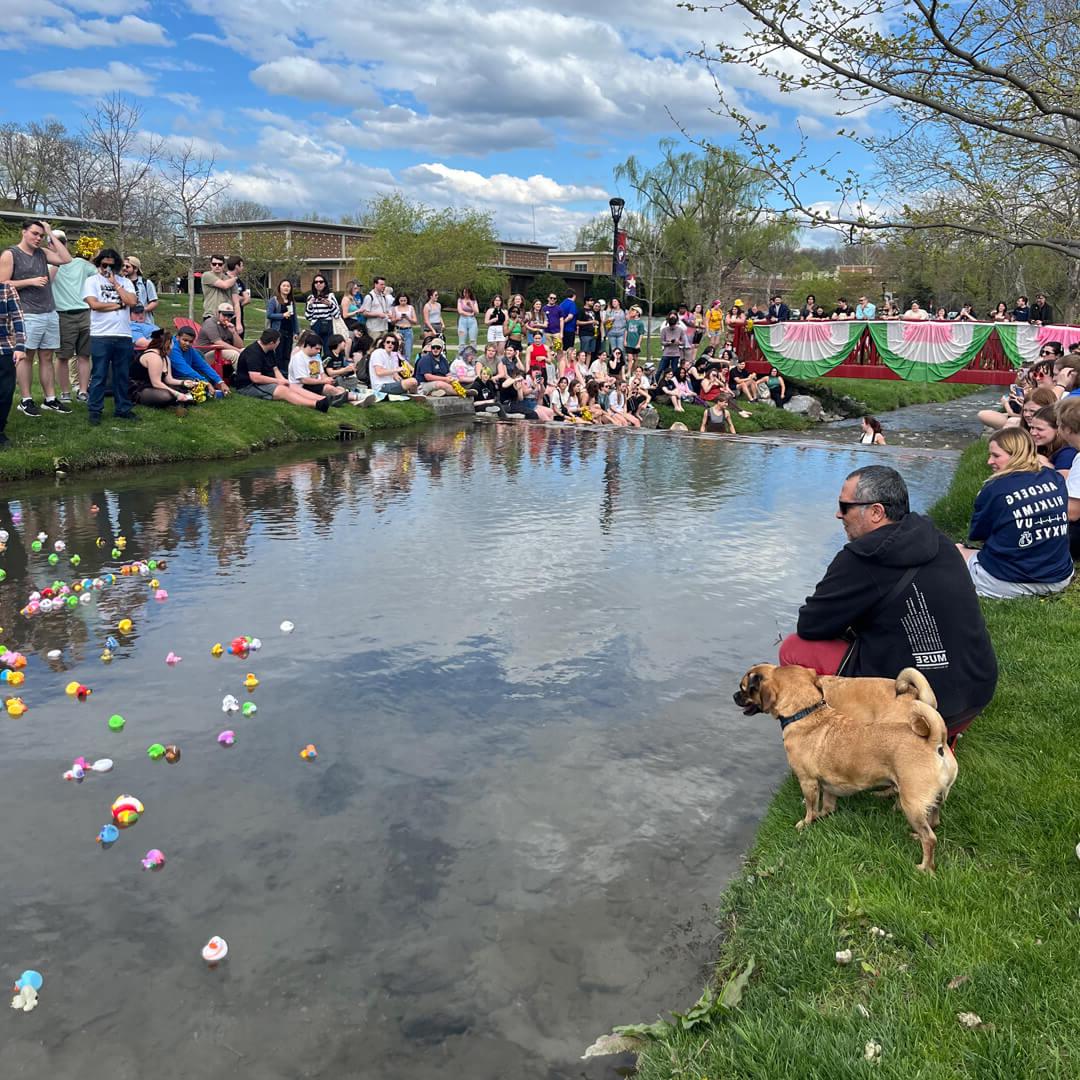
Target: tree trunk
[1072, 301]
[191, 285]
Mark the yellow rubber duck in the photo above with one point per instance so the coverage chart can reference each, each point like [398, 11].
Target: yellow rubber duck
[251, 682]
[106, 656]
[124, 626]
[154, 583]
[121, 542]
[217, 649]
[15, 706]
[15, 678]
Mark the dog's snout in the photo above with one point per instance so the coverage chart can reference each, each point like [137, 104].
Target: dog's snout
[739, 696]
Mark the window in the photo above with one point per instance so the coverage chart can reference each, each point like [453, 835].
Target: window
[581, 268]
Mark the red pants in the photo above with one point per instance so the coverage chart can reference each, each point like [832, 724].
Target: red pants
[825, 657]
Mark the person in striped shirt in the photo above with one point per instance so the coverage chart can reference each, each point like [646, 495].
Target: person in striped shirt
[12, 350]
[321, 310]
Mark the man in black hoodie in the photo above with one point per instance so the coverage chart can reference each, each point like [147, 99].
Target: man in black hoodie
[897, 596]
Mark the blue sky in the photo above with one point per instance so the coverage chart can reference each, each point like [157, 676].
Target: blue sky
[309, 105]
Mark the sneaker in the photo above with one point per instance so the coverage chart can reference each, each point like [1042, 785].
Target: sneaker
[339, 400]
[322, 404]
[125, 416]
[66, 398]
[29, 408]
[80, 396]
[94, 419]
[55, 405]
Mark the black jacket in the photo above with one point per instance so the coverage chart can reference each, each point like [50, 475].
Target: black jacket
[934, 624]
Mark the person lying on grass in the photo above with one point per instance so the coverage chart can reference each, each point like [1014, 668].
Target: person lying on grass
[258, 377]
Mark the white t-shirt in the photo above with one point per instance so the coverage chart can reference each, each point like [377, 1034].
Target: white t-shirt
[462, 369]
[376, 309]
[108, 323]
[387, 361]
[1072, 483]
[302, 366]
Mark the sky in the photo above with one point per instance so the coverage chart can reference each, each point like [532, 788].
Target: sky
[311, 106]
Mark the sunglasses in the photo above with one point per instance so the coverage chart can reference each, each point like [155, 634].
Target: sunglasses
[846, 506]
[217, 264]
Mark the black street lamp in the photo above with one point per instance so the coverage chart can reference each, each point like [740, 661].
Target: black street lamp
[616, 205]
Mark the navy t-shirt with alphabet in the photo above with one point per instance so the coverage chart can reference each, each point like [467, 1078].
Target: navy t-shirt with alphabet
[1023, 520]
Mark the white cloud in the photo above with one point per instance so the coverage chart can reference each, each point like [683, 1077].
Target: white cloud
[92, 82]
[397, 126]
[187, 102]
[311, 80]
[52, 27]
[499, 188]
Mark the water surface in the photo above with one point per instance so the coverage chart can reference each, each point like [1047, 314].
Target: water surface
[515, 652]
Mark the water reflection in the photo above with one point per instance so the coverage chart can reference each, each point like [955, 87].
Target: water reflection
[514, 650]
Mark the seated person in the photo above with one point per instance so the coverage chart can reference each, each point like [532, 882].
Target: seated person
[897, 596]
[487, 392]
[1068, 419]
[142, 327]
[842, 310]
[433, 372]
[559, 398]
[187, 363]
[1022, 517]
[713, 387]
[386, 369]
[743, 381]
[464, 366]
[1054, 451]
[218, 335]
[360, 346]
[152, 383]
[306, 369]
[338, 365]
[258, 377]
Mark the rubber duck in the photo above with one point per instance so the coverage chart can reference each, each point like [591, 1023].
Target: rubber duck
[161, 594]
[229, 704]
[15, 706]
[126, 810]
[309, 753]
[121, 542]
[153, 860]
[124, 626]
[59, 547]
[106, 656]
[250, 682]
[75, 560]
[111, 642]
[214, 951]
[249, 708]
[155, 751]
[99, 542]
[287, 627]
[35, 546]
[116, 553]
[227, 738]
[15, 678]
[116, 722]
[154, 583]
[172, 753]
[217, 649]
[108, 836]
[172, 658]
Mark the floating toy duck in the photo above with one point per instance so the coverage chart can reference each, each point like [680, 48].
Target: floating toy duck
[15, 706]
[126, 810]
[309, 753]
[217, 649]
[155, 751]
[215, 950]
[172, 658]
[116, 722]
[12, 678]
[108, 836]
[249, 708]
[99, 542]
[227, 738]
[172, 753]
[229, 704]
[75, 560]
[111, 642]
[59, 547]
[153, 860]
[161, 594]
[287, 627]
[250, 682]
[124, 626]
[106, 656]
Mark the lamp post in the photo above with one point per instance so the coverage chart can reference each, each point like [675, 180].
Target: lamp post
[616, 205]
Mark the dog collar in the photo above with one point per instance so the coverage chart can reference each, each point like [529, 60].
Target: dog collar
[800, 715]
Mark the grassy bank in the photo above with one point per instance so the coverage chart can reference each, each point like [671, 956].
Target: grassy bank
[218, 429]
[995, 933]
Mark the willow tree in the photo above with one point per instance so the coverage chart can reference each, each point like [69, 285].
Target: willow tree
[710, 206]
[972, 111]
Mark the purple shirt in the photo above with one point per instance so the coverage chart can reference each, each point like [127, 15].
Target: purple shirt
[553, 314]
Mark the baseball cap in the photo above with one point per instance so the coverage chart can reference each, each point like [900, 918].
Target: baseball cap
[225, 309]
[135, 261]
[60, 234]
[437, 343]
[738, 303]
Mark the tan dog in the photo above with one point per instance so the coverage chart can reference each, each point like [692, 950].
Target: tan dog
[901, 742]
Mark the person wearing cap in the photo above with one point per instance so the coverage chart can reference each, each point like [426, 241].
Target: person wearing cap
[433, 372]
[144, 290]
[186, 362]
[219, 333]
[73, 358]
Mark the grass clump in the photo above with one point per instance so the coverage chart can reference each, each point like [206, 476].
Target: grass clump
[881, 395]
[994, 933]
[218, 429]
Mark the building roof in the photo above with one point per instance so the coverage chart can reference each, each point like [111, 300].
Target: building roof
[60, 219]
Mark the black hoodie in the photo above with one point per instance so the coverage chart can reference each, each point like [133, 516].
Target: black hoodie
[934, 624]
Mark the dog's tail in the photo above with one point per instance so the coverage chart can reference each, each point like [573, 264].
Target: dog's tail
[927, 723]
[912, 681]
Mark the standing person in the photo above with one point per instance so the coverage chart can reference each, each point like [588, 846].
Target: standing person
[467, 310]
[865, 310]
[403, 315]
[1021, 313]
[73, 359]
[351, 299]
[376, 309]
[110, 298]
[568, 313]
[145, 290]
[433, 317]
[552, 316]
[241, 292]
[672, 340]
[495, 320]
[12, 341]
[25, 267]
[586, 325]
[536, 321]
[635, 331]
[872, 435]
[217, 286]
[714, 324]
[616, 330]
[321, 310]
[1041, 312]
[281, 316]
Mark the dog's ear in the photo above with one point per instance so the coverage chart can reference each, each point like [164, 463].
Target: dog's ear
[920, 725]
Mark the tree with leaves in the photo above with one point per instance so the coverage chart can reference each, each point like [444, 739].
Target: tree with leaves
[416, 248]
[711, 207]
[972, 112]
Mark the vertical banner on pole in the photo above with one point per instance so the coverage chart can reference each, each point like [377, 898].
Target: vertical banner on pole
[620, 254]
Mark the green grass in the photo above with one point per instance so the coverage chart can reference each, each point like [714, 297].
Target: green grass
[998, 922]
[218, 429]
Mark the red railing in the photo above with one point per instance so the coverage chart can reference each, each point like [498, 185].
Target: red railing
[989, 366]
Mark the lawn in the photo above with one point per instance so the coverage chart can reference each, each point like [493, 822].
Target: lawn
[994, 935]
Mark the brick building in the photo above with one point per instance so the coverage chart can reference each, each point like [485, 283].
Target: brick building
[322, 247]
